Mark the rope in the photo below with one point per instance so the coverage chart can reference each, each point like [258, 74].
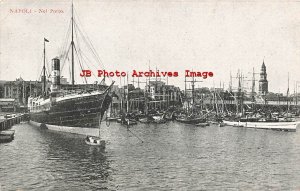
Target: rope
[107, 121]
[80, 63]
[134, 134]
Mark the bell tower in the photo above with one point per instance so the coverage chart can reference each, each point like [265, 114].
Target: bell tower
[263, 82]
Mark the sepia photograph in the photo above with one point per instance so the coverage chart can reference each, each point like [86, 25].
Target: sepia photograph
[149, 95]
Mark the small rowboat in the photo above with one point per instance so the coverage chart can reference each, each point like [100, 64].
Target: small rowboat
[112, 118]
[95, 141]
[202, 124]
[158, 119]
[221, 124]
[191, 120]
[146, 120]
[127, 121]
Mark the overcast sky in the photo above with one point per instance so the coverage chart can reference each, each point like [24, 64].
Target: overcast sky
[170, 35]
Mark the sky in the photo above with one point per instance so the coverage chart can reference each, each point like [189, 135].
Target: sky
[171, 35]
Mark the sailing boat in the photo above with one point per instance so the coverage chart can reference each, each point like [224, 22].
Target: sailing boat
[191, 117]
[75, 105]
[267, 122]
[126, 117]
[146, 118]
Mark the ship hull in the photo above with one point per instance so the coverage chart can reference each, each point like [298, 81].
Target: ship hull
[281, 126]
[75, 112]
[66, 129]
[191, 121]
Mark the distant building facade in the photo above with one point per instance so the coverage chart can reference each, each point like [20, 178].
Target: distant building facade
[263, 82]
[15, 94]
[159, 91]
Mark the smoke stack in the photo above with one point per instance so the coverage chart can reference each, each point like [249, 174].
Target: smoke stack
[55, 74]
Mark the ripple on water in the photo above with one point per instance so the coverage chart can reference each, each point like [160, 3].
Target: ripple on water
[172, 156]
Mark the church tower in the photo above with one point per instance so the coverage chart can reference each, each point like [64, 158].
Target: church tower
[263, 82]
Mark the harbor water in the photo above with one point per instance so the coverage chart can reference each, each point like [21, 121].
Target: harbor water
[169, 156]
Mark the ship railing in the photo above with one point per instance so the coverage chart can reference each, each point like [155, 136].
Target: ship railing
[67, 93]
[72, 119]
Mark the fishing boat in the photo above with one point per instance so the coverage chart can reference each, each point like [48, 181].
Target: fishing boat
[70, 105]
[146, 119]
[169, 115]
[126, 120]
[159, 118]
[262, 121]
[111, 118]
[191, 119]
[190, 116]
[202, 124]
[127, 117]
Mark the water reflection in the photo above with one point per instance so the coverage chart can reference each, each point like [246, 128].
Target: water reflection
[172, 156]
[79, 164]
[42, 159]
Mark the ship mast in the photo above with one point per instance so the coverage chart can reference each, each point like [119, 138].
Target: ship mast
[239, 93]
[127, 96]
[253, 89]
[287, 94]
[44, 69]
[72, 44]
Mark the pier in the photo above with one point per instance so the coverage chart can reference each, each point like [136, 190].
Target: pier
[12, 120]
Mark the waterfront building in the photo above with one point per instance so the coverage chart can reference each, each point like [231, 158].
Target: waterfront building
[8, 105]
[15, 94]
[161, 95]
[263, 82]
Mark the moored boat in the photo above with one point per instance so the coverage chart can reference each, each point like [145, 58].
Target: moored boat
[191, 119]
[112, 118]
[159, 118]
[146, 119]
[284, 126]
[127, 121]
[72, 105]
[202, 124]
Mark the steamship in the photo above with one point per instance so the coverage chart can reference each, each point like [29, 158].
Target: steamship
[63, 107]
[69, 105]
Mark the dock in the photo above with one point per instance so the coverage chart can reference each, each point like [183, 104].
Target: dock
[7, 136]
[6, 123]
[12, 120]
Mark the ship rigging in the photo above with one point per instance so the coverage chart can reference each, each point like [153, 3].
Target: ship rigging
[75, 105]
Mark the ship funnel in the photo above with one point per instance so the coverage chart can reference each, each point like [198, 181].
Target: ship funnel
[55, 74]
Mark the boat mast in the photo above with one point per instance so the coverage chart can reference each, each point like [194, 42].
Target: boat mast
[146, 100]
[239, 92]
[287, 95]
[193, 93]
[121, 101]
[127, 96]
[72, 44]
[230, 83]
[253, 89]
[44, 69]
[99, 133]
